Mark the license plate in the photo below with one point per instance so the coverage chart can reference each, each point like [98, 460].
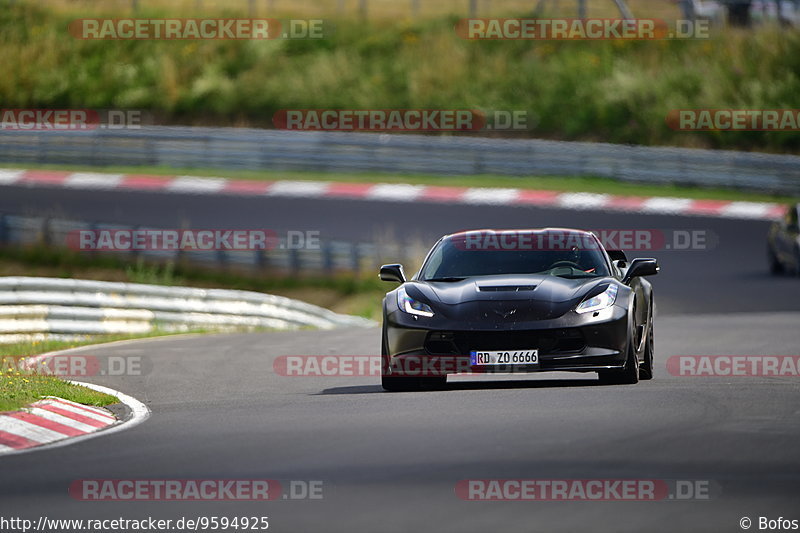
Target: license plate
[492, 358]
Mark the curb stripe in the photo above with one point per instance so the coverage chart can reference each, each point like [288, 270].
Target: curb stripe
[29, 431]
[246, 187]
[437, 193]
[41, 418]
[298, 188]
[60, 419]
[191, 185]
[15, 442]
[484, 195]
[45, 176]
[93, 180]
[349, 190]
[582, 200]
[144, 182]
[537, 197]
[80, 408]
[392, 192]
[75, 416]
[667, 205]
[8, 177]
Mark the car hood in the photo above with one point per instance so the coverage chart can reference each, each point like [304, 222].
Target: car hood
[520, 297]
[524, 287]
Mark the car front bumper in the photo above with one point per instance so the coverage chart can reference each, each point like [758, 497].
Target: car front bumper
[573, 342]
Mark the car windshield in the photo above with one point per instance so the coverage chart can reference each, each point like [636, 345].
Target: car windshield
[460, 257]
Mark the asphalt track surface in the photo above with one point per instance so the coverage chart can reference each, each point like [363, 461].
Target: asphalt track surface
[390, 462]
[729, 275]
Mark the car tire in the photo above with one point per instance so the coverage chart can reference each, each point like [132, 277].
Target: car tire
[627, 375]
[797, 260]
[646, 368]
[775, 266]
[406, 383]
[400, 383]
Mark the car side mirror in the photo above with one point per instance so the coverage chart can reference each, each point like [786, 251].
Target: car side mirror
[393, 273]
[641, 267]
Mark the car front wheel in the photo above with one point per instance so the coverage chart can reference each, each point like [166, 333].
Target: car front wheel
[628, 375]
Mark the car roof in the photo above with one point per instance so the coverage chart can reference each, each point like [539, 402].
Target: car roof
[569, 231]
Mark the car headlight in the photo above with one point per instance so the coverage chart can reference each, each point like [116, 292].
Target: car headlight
[411, 306]
[601, 301]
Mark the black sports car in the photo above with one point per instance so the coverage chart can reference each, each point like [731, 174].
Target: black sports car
[783, 243]
[518, 301]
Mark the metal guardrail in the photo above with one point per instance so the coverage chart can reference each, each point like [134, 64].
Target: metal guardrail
[255, 149]
[330, 257]
[70, 307]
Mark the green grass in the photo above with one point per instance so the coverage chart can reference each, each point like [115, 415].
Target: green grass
[377, 9]
[20, 387]
[550, 183]
[18, 390]
[614, 91]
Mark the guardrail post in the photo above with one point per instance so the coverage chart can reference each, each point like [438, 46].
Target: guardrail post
[45, 235]
[3, 229]
[327, 257]
[261, 259]
[581, 9]
[354, 257]
[294, 260]
[134, 252]
[222, 259]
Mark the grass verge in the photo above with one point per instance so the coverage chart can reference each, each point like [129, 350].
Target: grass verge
[20, 387]
[618, 91]
[549, 183]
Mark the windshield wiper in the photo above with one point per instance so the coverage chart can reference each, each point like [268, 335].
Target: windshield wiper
[445, 279]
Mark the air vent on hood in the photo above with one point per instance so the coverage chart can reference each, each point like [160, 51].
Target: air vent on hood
[505, 288]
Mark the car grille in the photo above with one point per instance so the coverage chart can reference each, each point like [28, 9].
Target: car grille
[566, 340]
[505, 288]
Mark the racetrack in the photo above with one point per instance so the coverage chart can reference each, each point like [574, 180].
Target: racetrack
[728, 275]
[390, 462]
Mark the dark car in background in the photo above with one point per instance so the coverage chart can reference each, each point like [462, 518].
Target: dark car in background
[783, 243]
[491, 301]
